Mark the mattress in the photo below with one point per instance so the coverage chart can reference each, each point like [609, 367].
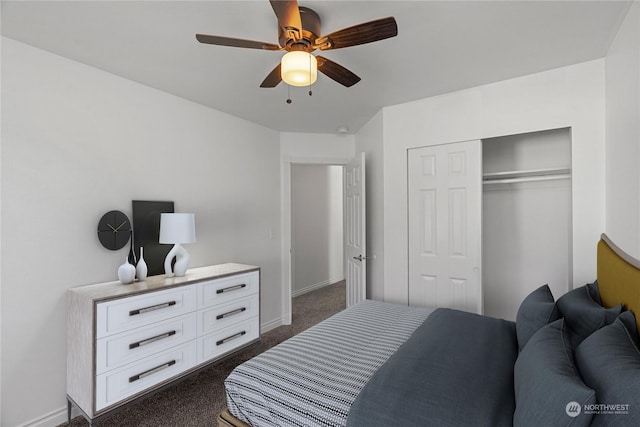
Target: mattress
[313, 378]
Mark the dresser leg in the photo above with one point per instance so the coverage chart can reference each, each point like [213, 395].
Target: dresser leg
[68, 412]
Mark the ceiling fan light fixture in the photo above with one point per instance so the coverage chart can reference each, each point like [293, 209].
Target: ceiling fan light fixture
[299, 68]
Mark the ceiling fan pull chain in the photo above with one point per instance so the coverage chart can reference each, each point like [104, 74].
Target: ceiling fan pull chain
[310, 67]
[289, 101]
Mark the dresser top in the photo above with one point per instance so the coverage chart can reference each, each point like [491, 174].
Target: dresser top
[116, 289]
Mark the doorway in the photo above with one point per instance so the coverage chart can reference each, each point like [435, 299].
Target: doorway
[317, 228]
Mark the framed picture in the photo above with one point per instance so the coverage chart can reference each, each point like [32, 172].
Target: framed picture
[146, 231]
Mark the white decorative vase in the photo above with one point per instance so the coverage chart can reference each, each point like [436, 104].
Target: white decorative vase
[126, 272]
[141, 267]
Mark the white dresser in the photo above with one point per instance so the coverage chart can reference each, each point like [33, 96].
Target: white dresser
[124, 341]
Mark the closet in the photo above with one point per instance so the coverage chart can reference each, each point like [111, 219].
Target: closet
[526, 218]
[489, 221]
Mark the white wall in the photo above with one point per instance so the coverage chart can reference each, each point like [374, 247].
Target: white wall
[369, 140]
[566, 97]
[316, 148]
[336, 230]
[77, 142]
[317, 226]
[303, 148]
[623, 135]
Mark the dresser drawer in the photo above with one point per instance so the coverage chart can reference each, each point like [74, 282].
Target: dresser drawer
[219, 291]
[211, 319]
[113, 386]
[137, 311]
[228, 339]
[116, 350]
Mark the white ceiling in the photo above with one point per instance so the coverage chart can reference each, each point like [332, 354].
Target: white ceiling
[442, 46]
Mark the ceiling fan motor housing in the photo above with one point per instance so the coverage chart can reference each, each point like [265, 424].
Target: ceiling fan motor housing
[311, 25]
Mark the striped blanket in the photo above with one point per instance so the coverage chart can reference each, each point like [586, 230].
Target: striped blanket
[313, 378]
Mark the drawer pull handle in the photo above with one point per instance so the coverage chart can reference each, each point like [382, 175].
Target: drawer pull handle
[230, 313]
[152, 339]
[231, 288]
[152, 308]
[151, 371]
[232, 337]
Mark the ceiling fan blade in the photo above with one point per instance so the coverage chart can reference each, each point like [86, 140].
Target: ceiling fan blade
[288, 14]
[336, 72]
[273, 79]
[367, 32]
[230, 41]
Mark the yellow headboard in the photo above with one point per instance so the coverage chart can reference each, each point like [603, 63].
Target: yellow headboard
[618, 277]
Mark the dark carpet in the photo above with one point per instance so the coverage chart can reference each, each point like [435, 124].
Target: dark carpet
[197, 400]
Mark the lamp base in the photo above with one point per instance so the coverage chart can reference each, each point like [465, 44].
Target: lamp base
[182, 261]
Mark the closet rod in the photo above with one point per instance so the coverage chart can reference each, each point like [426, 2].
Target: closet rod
[526, 179]
[526, 173]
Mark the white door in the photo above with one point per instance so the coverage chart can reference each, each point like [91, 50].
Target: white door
[445, 226]
[354, 233]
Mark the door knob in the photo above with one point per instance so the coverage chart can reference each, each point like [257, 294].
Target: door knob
[360, 257]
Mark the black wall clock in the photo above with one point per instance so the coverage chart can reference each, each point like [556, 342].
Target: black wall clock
[114, 230]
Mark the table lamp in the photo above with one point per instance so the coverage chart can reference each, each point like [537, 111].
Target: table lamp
[177, 229]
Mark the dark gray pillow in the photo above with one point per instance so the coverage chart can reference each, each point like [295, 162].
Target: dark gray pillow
[548, 389]
[594, 292]
[537, 310]
[609, 362]
[583, 314]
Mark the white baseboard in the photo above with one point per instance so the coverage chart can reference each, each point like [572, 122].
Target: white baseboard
[336, 279]
[272, 324]
[52, 419]
[310, 288]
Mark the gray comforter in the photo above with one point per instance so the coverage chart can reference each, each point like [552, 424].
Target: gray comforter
[312, 379]
[455, 370]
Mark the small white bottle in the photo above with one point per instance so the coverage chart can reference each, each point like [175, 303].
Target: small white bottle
[141, 267]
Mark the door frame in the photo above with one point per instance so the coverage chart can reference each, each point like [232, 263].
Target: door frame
[286, 246]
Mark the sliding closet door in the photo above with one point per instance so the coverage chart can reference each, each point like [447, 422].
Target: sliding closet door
[445, 202]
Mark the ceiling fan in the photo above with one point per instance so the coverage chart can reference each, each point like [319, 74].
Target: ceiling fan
[299, 32]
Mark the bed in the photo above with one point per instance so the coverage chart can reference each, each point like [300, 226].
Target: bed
[573, 361]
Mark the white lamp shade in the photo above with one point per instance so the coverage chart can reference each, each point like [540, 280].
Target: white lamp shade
[177, 228]
[299, 68]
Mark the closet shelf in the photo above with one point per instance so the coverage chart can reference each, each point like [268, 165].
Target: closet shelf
[508, 177]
